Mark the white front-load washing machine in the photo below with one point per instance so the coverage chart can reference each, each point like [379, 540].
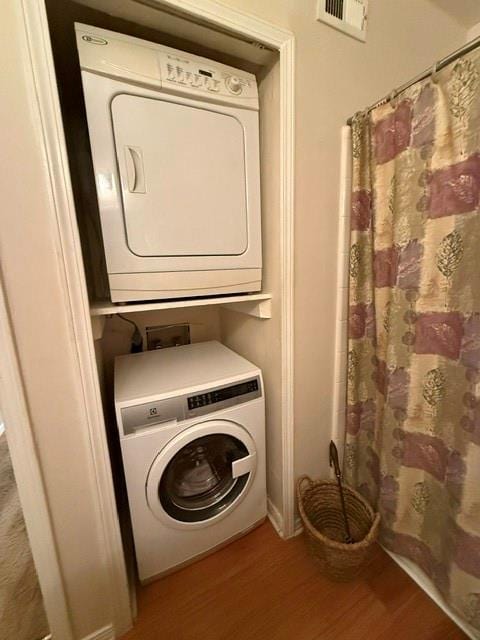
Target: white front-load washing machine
[192, 432]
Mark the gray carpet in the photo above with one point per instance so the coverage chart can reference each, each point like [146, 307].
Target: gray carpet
[22, 616]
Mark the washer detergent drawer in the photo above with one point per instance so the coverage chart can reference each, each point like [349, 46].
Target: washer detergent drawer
[141, 417]
[183, 178]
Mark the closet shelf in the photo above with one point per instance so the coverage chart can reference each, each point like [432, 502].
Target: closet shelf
[253, 304]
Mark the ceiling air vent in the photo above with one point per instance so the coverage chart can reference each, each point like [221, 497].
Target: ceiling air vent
[349, 16]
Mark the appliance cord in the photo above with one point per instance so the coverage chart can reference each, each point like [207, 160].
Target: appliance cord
[136, 345]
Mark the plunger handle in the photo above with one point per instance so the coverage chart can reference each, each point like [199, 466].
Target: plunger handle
[334, 459]
[338, 473]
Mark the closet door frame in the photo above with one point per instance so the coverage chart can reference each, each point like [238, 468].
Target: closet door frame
[38, 65]
[29, 481]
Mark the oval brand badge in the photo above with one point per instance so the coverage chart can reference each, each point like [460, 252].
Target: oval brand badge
[94, 40]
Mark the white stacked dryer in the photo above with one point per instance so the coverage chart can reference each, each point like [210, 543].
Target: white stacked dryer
[192, 430]
[175, 149]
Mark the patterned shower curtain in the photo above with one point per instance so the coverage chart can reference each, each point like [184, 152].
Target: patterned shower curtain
[413, 415]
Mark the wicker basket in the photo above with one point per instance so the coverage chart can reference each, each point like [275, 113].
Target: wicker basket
[321, 513]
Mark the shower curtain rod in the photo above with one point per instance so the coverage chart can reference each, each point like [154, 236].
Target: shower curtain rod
[421, 76]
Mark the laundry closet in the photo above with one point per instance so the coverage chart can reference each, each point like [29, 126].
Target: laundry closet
[165, 287]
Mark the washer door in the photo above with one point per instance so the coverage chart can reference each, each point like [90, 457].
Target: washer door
[201, 474]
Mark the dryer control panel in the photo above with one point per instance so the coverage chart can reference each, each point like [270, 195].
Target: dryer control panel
[127, 58]
[205, 76]
[141, 417]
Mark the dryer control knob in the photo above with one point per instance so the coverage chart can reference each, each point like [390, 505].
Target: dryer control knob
[233, 84]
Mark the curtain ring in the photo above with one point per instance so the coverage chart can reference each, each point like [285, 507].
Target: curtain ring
[392, 98]
[434, 74]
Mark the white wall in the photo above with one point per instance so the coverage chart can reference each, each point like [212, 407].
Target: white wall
[473, 33]
[336, 76]
[260, 340]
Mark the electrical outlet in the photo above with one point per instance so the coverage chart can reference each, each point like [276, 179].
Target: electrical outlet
[164, 336]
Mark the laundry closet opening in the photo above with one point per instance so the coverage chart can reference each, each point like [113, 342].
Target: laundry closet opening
[238, 325]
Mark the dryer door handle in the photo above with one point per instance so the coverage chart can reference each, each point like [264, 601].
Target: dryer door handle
[243, 465]
[135, 171]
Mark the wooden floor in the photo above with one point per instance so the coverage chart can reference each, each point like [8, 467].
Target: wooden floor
[261, 587]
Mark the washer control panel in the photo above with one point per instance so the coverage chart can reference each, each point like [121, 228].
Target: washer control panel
[140, 417]
[218, 398]
[220, 395]
[191, 75]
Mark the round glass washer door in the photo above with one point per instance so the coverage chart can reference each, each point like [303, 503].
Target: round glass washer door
[202, 473]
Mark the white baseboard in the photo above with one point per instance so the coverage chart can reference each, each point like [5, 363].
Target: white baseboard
[427, 585]
[275, 517]
[105, 633]
[298, 526]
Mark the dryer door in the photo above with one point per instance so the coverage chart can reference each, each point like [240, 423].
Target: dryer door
[201, 474]
[183, 177]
